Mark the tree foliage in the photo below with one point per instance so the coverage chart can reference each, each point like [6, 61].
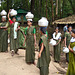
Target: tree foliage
[40, 8]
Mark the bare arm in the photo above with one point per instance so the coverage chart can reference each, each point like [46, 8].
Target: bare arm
[58, 42]
[35, 39]
[18, 28]
[24, 40]
[70, 49]
[3, 27]
[65, 41]
[8, 15]
[42, 47]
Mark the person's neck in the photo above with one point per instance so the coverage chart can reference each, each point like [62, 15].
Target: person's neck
[13, 22]
[3, 21]
[66, 31]
[74, 37]
[56, 32]
[30, 25]
[69, 31]
[42, 33]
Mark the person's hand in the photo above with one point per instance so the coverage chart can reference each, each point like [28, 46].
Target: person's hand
[74, 52]
[9, 10]
[0, 27]
[16, 30]
[65, 46]
[39, 55]
[46, 35]
[35, 44]
[23, 44]
[55, 45]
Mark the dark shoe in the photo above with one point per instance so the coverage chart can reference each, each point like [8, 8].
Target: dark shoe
[34, 63]
[29, 63]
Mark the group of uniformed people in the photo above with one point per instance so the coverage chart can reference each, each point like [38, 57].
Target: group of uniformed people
[28, 40]
[27, 37]
[69, 40]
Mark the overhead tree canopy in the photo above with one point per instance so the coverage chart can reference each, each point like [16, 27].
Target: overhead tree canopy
[42, 8]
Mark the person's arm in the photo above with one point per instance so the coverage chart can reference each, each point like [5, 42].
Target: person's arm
[35, 39]
[71, 49]
[8, 15]
[24, 40]
[5, 27]
[34, 32]
[42, 47]
[24, 33]
[18, 28]
[65, 41]
[58, 42]
[9, 18]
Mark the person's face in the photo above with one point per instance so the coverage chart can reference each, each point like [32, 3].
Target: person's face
[70, 29]
[29, 23]
[14, 19]
[40, 32]
[67, 25]
[3, 19]
[56, 30]
[72, 34]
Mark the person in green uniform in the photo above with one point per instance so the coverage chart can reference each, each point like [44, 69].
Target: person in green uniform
[3, 35]
[46, 32]
[67, 42]
[22, 37]
[57, 47]
[71, 65]
[14, 26]
[70, 29]
[30, 39]
[44, 53]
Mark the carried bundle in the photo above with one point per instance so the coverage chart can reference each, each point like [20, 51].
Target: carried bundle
[13, 12]
[52, 42]
[3, 13]
[65, 50]
[43, 22]
[29, 15]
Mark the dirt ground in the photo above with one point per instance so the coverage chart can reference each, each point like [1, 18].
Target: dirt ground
[16, 65]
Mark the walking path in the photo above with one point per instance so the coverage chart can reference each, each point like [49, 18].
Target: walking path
[16, 65]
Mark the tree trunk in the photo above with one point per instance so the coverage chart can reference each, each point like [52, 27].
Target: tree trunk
[46, 9]
[52, 9]
[32, 5]
[40, 8]
[72, 4]
[64, 2]
[60, 8]
[9, 5]
[56, 9]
